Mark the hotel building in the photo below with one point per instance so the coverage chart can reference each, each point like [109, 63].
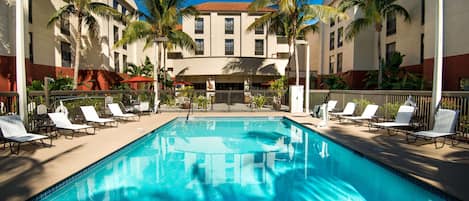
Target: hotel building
[226, 52]
[332, 54]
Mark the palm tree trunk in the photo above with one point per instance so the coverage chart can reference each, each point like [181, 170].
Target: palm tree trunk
[155, 77]
[77, 54]
[380, 67]
[292, 63]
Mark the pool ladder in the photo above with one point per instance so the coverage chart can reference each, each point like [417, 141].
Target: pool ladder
[189, 110]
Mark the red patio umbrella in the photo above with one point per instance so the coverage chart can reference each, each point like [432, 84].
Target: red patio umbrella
[138, 79]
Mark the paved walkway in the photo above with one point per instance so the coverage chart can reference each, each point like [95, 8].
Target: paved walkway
[36, 167]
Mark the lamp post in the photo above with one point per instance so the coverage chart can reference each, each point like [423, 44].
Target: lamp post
[157, 41]
[20, 62]
[438, 61]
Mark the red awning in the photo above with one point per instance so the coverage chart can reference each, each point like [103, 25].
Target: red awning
[138, 79]
[182, 83]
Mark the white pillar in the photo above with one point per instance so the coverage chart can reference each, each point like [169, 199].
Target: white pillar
[20, 63]
[155, 77]
[438, 61]
[307, 79]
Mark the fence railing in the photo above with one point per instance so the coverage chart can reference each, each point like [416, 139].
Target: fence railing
[8, 103]
[457, 100]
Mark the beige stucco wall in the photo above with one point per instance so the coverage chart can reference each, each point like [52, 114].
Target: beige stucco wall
[456, 40]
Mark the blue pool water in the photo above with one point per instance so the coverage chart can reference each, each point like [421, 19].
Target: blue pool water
[238, 159]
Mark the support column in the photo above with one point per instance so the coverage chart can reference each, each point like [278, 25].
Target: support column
[20, 62]
[307, 79]
[155, 77]
[438, 62]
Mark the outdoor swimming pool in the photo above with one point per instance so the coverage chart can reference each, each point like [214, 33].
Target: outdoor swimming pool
[237, 159]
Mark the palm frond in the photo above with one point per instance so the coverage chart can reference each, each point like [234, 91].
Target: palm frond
[259, 4]
[92, 24]
[181, 39]
[104, 10]
[356, 26]
[63, 12]
[394, 9]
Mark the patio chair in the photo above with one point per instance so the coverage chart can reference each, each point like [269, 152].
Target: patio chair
[317, 110]
[348, 111]
[403, 118]
[143, 107]
[13, 131]
[367, 114]
[444, 126]
[63, 123]
[117, 112]
[92, 116]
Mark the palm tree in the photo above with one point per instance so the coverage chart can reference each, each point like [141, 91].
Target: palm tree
[374, 14]
[159, 25]
[142, 70]
[84, 11]
[294, 19]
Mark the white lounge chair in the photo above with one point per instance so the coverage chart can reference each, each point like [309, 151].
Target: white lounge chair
[117, 112]
[403, 117]
[317, 110]
[367, 114]
[92, 116]
[143, 107]
[348, 111]
[444, 126]
[62, 122]
[13, 131]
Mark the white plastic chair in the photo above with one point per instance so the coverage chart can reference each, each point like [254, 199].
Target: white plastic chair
[367, 114]
[444, 126]
[92, 116]
[403, 117]
[348, 110]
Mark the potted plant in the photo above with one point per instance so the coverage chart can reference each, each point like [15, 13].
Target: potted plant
[279, 87]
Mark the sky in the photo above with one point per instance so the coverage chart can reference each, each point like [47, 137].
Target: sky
[195, 2]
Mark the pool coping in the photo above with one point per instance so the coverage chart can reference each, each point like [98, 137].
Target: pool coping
[416, 180]
[421, 183]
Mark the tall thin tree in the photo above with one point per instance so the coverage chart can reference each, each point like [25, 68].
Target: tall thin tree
[294, 19]
[374, 14]
[85, 12]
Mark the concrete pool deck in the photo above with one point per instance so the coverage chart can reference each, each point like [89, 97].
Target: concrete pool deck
[37, 167]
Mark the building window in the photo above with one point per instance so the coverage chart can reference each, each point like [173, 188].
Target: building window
[340, 37]
[115, 4]
[66, 54]
[332, 23]
[199, 46]
[390, 48]
[259, 29]
[30, 11]
[331, 65]
[65, 26]
[229, 25]
[124, 10]
[331, 40]
[390, 24]
[31, 52]
[229, 46]
[339, 62]
[116, 34]
[422, 18]
[259, 47]
[199, 25]
[116, 62]
[422, 48]
[124, 46]
[124, 62]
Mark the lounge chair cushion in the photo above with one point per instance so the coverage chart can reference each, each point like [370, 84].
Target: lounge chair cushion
[13, 129]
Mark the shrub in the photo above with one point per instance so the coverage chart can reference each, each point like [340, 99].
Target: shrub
[260, 101]
[202, 102]
[391, 109]
[361, 104]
